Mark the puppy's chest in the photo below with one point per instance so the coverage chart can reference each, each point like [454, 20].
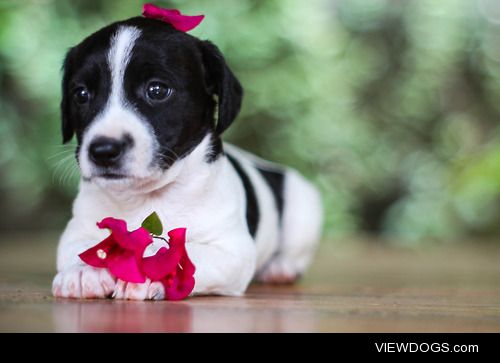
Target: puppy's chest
[176, 215]
[199, 214]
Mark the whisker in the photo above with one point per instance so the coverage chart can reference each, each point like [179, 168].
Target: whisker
[70, 175]
[165, 148]
[64, 146]
[164, 155]
[63, 168]
[60, 153]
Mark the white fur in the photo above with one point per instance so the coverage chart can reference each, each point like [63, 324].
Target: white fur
[302, 226]
[209, 200]
[119, 54]
[267, 237]
[283, 255]
[206, 198]
[221, 249]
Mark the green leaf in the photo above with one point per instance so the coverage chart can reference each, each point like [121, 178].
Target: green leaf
[153, 224]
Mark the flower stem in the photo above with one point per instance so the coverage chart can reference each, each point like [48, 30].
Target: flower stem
[158, 237]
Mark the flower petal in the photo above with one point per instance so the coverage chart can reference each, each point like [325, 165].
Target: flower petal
[124, 265]
[188, 267]
[165, 261]
[178, 242]
[91, 256]
[178, 287]
[115, 225]
[177, 237]
[173, 17]
[160, 265]
[179, 284]
[137, 240]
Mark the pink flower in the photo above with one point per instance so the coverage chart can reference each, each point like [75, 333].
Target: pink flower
[172, 267]
[173, 17]
[121, 252]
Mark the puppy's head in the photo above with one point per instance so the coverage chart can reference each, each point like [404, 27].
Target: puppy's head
[140, 95]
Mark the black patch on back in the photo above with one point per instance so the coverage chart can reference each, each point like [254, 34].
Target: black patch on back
[275, 178]
[252, 212]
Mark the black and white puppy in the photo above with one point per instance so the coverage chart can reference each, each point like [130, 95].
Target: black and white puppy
[148, 105]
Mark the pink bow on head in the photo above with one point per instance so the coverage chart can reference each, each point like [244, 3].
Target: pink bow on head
[173, 17]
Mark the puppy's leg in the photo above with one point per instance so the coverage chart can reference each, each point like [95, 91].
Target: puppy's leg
[302, 225]
[145, 291]
[223, 271]
[74, 278]
[224, 267]
[81, 281]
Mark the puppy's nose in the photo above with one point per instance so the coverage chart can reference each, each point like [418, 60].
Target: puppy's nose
[105, 151]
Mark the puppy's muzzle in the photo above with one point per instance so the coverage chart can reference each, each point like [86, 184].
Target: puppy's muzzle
[107, 152]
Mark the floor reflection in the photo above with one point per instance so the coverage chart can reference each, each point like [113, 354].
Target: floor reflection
[195, 315]
[253, 320]
[121, 316]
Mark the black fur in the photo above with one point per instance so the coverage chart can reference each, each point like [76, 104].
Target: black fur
[85, 64]
[215, 150]
[252, 210]
[275, 178]
[194, 69]
[224, 84]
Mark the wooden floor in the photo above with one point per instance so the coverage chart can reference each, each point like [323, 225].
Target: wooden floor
[355, 286]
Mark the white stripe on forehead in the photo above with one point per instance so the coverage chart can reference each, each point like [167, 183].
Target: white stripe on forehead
[122, 44]
[118, 119]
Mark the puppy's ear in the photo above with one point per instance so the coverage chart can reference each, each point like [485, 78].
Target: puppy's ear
[68, 127]
[222, 82]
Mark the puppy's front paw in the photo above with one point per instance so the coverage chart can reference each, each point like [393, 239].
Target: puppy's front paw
[146, 291]
[83, 282]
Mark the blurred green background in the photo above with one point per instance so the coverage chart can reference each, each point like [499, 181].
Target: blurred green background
[391, 107]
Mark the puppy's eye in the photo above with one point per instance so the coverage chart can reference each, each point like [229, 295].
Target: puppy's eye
[81, 95]
[157, 91]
